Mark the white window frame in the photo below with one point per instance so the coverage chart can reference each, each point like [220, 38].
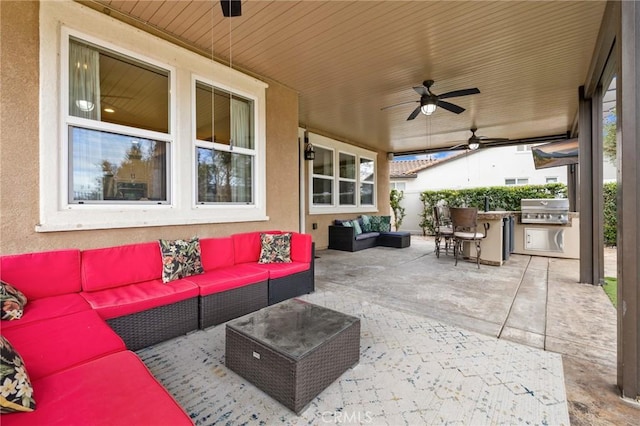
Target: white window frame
[103, 126]
[58, 20]
[551, 179]
[222, 147]
[338, 147]
[354, 180]
[517, 181]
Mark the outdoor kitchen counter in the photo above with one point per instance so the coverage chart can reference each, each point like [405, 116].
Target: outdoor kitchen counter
[492, 243]
[525, 234]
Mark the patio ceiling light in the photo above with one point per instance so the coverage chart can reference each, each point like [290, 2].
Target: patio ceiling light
[429, 107]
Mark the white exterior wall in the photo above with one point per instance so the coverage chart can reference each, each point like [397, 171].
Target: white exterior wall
[485, 167]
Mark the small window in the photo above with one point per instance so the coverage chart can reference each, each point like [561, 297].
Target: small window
[367, 183]
[400, 186]
[523, 148]
[552, 179]
[516, 181]
[323, 177]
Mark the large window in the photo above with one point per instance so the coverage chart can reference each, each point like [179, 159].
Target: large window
[342, 177]
[124, 141]
[118, 127]
[225, 147]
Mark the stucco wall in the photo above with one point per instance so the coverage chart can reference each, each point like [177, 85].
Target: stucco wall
[19, 160]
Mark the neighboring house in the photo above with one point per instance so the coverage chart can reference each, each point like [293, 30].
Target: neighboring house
[504, 166]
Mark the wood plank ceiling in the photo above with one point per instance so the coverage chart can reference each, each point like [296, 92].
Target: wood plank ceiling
[348, 59]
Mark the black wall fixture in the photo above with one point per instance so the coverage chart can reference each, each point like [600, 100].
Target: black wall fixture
[231, 8]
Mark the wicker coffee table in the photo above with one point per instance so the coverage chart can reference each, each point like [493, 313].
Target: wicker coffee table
[293, 350]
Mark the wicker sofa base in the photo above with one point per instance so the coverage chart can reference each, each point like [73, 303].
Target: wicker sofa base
[293, 383]
[291, 286]
[221, 307]
[156, 325]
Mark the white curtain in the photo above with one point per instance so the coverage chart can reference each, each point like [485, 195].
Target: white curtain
[84, 81]
[242, 164]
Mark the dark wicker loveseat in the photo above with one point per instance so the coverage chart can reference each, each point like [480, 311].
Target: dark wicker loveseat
[346, 238]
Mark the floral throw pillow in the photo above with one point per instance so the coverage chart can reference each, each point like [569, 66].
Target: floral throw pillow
[275, 248]
[13, 302]
[180, 258]
[16, 392]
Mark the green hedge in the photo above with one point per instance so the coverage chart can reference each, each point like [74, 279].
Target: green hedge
[610, 213]
[500, 198]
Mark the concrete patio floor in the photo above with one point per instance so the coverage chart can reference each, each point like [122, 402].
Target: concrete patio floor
[536, 301]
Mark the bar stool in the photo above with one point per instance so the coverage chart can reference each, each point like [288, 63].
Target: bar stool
[442, 228]
[465, 224]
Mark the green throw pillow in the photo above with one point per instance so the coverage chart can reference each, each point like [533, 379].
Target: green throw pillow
[180, 258]
[17, 392]
[375, 223]
[366, 223]
[385, 224]
[356, 227]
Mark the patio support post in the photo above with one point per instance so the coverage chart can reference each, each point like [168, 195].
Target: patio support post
[591, 203]
[628, 147]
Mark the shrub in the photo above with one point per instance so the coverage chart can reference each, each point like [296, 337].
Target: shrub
[398, 211]
[610, 213]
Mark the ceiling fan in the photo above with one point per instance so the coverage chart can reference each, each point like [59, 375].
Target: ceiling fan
[429, 101]
[475, 142]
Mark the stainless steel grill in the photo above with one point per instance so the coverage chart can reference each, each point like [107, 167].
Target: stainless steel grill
[548, 210]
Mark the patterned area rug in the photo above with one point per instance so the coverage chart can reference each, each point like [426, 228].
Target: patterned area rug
[413, 370]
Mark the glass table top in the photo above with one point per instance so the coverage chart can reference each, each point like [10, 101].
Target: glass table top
[293, 327]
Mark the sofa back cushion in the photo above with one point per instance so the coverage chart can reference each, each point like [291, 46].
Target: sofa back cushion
[301, 247]
[246, 246]
[43, 274]
[122, 265]
[216, 252]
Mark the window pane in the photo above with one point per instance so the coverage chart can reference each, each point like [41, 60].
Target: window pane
[224, 177]
[322, 191]
[108, 166]
[523, 181]
[366, 194]
[323, 162]
[366, 170]
[113, 88]
[509, 181]
[347, 166]
[552, 179]
[347, 193]
[232, 117]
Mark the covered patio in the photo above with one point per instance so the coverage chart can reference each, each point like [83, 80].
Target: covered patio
[521, 343]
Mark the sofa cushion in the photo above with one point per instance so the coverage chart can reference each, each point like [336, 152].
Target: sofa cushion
[49, 307]
[228, 278]
[121, 265]
[275, 248]
[43, 274]
[180, 259]
[301, 247]
[116, 389]
[216, 253]
[16, 391]
[246, 246]
[133, 298]
[13, 302]
[279, 270]
[50, 346]
[367, 235]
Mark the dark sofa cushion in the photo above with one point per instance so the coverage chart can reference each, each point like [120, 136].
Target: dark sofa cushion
[367, 235]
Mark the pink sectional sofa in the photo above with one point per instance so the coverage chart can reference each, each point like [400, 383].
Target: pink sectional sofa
[88, 309]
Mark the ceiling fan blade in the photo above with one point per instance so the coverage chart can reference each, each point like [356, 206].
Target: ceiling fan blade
[401, 103]
[421, 90]
[450, 107]
[414, 114]
[460, 145]
[456, 93]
